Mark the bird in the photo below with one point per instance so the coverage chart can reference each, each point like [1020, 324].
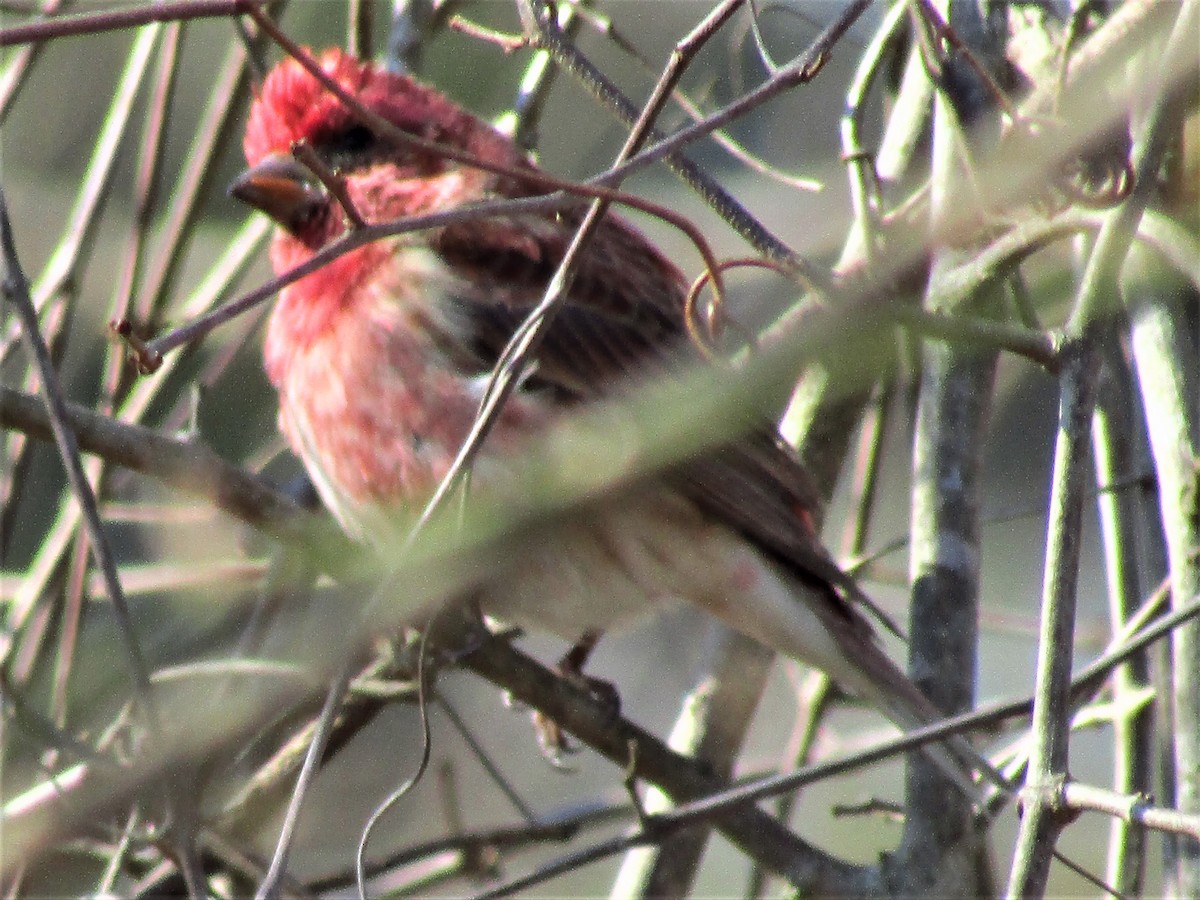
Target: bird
[378, 357]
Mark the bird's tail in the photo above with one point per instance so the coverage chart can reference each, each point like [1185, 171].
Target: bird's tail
[881, 683]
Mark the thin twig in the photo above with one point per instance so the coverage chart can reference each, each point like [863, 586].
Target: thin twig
[536, 84]
[360, 853]
[153, 352]
[707, 187]
[269, 888]
[359, 20]
[484, 758]
[800, 71]
[864, 180]
[1135, 808]
[16, 290]
[1042, 815]
[523, 344]
[213, 131]
[943, 30]
[1048, 760]
[1113, 436]
[184, 465]
[121, 19]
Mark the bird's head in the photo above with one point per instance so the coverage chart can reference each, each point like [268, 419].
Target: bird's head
[384, 178]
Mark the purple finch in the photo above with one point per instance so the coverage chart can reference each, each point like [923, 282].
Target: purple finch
[377, 358]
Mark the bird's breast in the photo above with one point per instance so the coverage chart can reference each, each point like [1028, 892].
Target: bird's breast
[367, 399]
[621, 558]
[606, 565]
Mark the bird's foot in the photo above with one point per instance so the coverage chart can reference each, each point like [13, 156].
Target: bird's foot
[552, 738]
[570, 667]
[553, 741]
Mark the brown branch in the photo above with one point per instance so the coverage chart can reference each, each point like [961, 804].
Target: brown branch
[1129, 808]
[187, 466]
[15, 288]
[120, 19]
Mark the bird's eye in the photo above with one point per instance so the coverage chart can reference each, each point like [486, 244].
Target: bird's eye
[355, 139]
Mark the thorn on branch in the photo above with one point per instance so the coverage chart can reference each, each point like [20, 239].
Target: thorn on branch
[812, 68]
[874, 806]
[147, 360]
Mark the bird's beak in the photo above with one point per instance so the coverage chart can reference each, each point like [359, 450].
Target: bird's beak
[283, 188]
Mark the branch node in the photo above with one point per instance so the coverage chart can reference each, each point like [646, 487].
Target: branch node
[147, 360]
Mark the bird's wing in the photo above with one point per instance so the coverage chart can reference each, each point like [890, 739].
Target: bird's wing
[623, 316]
[624, 319]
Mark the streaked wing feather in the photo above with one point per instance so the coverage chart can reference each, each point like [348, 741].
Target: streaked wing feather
[623, 319]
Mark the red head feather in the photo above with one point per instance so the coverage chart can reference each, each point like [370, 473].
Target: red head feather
[294, 106]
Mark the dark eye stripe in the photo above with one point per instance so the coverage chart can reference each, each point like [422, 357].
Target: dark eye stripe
[355, 139]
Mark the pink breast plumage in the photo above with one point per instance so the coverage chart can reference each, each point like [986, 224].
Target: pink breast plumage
[366, 399]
